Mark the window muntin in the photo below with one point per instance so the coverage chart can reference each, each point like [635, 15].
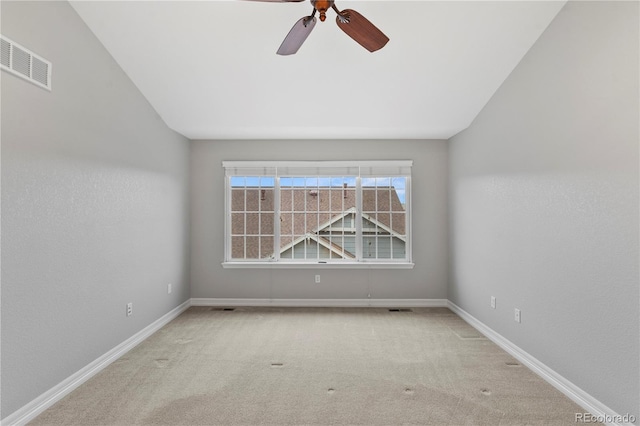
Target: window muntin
[322, 217]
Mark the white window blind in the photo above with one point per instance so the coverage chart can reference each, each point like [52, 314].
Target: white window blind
[318, 168]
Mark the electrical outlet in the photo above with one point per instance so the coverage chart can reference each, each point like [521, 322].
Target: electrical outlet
[169, 289]
[317, 279]
[517, 315]
[129, 309]
[493, 302]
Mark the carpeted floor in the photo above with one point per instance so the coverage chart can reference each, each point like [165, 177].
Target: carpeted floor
[315, 366]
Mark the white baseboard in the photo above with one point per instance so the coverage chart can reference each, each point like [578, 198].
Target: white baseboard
[47, 399]
[324, 303]
[577, 395]
[62, 389]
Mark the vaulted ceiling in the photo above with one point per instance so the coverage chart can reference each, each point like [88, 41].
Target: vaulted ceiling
[210, 70]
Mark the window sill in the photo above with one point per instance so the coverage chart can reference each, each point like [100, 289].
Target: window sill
[316, 265]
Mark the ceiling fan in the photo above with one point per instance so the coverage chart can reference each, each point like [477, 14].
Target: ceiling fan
[351, 22]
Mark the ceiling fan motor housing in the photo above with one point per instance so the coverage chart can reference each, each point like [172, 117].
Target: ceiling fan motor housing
[322, 6]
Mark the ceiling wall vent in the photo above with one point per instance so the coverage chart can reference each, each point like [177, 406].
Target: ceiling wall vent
[25, 64]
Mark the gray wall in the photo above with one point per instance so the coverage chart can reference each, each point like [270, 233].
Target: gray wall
[94, 207]
[429, 200]
[544, 201]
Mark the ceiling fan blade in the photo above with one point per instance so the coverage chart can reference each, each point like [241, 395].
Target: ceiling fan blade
[297, 36]
[361, 30]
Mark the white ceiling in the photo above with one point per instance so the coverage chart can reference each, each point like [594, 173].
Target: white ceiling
[210, 70]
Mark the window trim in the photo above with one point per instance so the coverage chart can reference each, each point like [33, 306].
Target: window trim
[358, 169]
[252, 264]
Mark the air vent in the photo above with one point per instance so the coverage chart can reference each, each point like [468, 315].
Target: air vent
[5, 56]
[21, 62]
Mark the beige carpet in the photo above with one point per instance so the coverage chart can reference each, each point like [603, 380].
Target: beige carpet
[314, 366]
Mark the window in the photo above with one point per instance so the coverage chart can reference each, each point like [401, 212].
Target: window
[301, 213]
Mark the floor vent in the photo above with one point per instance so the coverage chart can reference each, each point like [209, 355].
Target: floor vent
[222, 309]
[25, 64]
[400, 310]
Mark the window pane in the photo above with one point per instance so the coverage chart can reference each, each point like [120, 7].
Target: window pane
[266, 247]
[285, 243]
[317, 218]
[324, 252]
[398, 223]
[237, 200]
[299, 199]
[324, 182]
[313, 200]
[266, 199]
[383, 182]
[252, 223]
[286, 224]
[237, 181]
[399, 184]
[350, 245]
[266, 224]
[369, 247]
[267, 181]
[368, 200]
[237, 223]
[384, 248]
[368, 182]
[286, 198]
[252, 247]
[237, 247]
[299, 224]
[383, 221]
[369, 223]
[298, 250]
[286, 254]
[398, 249]
[383, 199]
[252, 201]
[324, 198]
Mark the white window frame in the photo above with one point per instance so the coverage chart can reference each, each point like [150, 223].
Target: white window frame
[357, 169]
